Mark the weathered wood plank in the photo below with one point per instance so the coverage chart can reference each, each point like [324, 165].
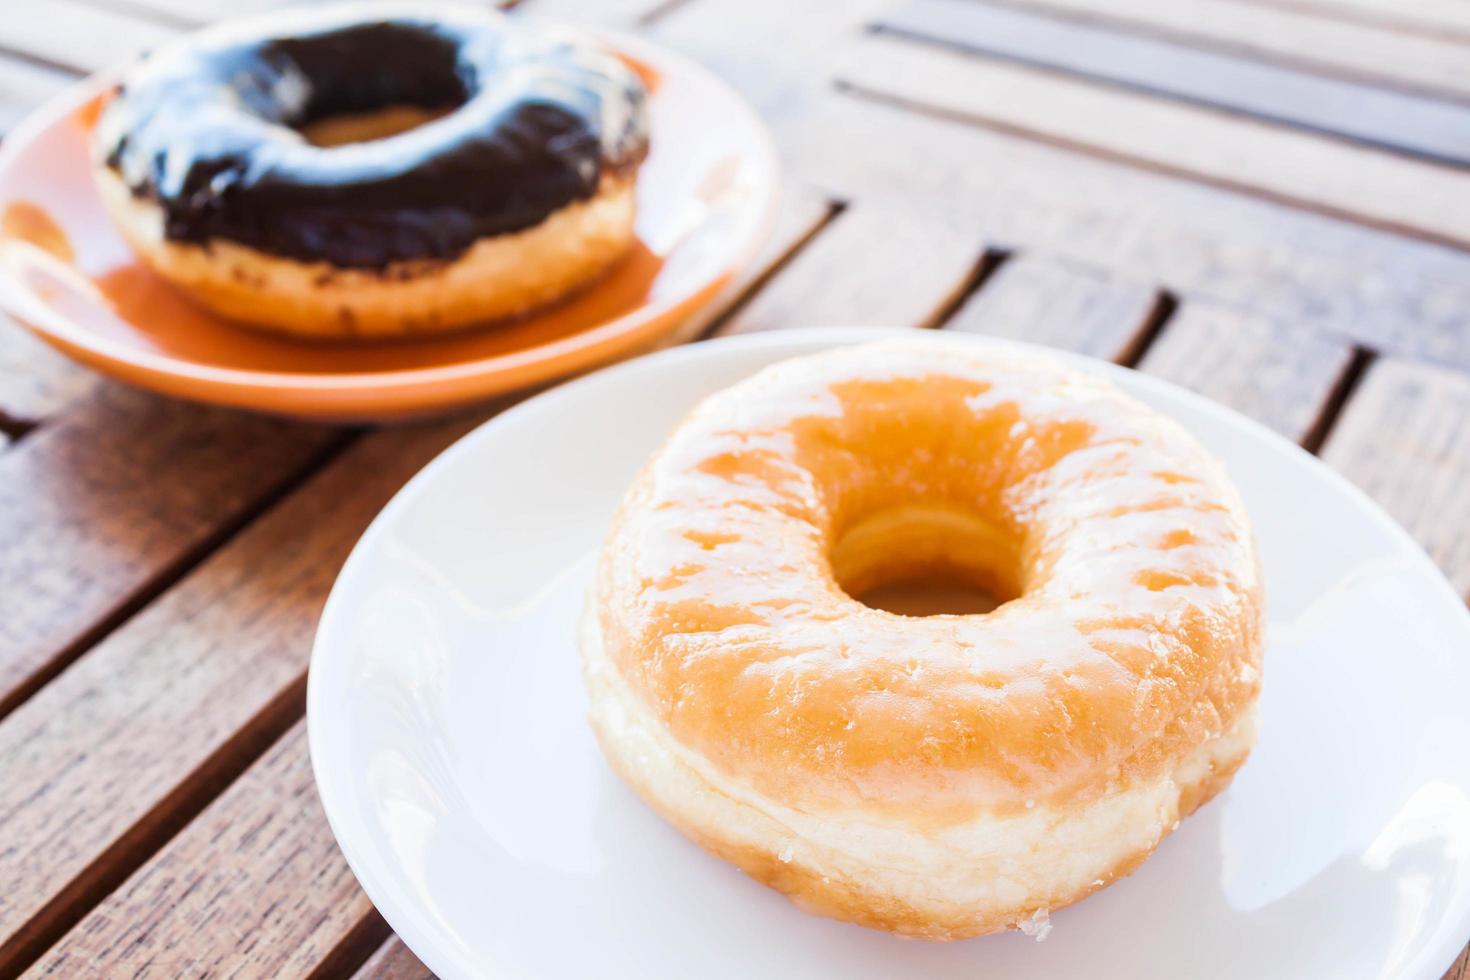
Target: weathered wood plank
[1272, 372]
[23, 86]
[1444, 20]
[393, 961]
[1336, 47]
[103, 761]
[868, 267]
[257, 873]
[1386, 291]
[1403, 438]
[1428, 128]
[734, 39]
[76, 35]
[801, 214]
[1277, 373]
[1309, 171]
[36, 382]
[106, 501]
[1060, 304]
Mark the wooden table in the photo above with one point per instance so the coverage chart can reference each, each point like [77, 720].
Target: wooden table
[1264, 200]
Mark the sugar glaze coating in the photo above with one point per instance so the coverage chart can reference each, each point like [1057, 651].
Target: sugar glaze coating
[799, 728]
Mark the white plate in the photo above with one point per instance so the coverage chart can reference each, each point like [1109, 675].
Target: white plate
[447, 731]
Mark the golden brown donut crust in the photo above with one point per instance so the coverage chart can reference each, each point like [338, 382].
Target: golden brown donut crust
[498, 278]
[1128, 658]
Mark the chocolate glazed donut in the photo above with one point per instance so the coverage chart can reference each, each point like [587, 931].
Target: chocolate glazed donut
[534, 128]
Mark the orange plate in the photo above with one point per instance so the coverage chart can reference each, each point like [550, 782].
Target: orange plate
[706, 198]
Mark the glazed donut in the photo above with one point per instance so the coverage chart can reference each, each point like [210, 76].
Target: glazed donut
[940, 776]
[517, 190]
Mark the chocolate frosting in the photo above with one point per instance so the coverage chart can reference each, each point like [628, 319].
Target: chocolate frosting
[209, 129]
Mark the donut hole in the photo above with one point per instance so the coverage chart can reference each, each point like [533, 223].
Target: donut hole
[936, 596]
[924, 560]
[365, 127]
[370, 81]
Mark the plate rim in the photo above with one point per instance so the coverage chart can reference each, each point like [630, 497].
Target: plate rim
[333, 790]
[561, 356]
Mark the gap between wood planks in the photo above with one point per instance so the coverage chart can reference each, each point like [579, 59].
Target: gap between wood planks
[268, 820]
[657, 12]
[1337, 398]
[154, 830]
[1148, 329]
[837, 243]
[1166, 304]
[992, 259]
[172, 572]
[835, 207]
[393, 961]
[1273, 34]
[31, 58]
[181, 792]
[1352, 113]
[863, 93]
[354, 949]
[1164, 308]
[989, 260]
[1148, 315]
